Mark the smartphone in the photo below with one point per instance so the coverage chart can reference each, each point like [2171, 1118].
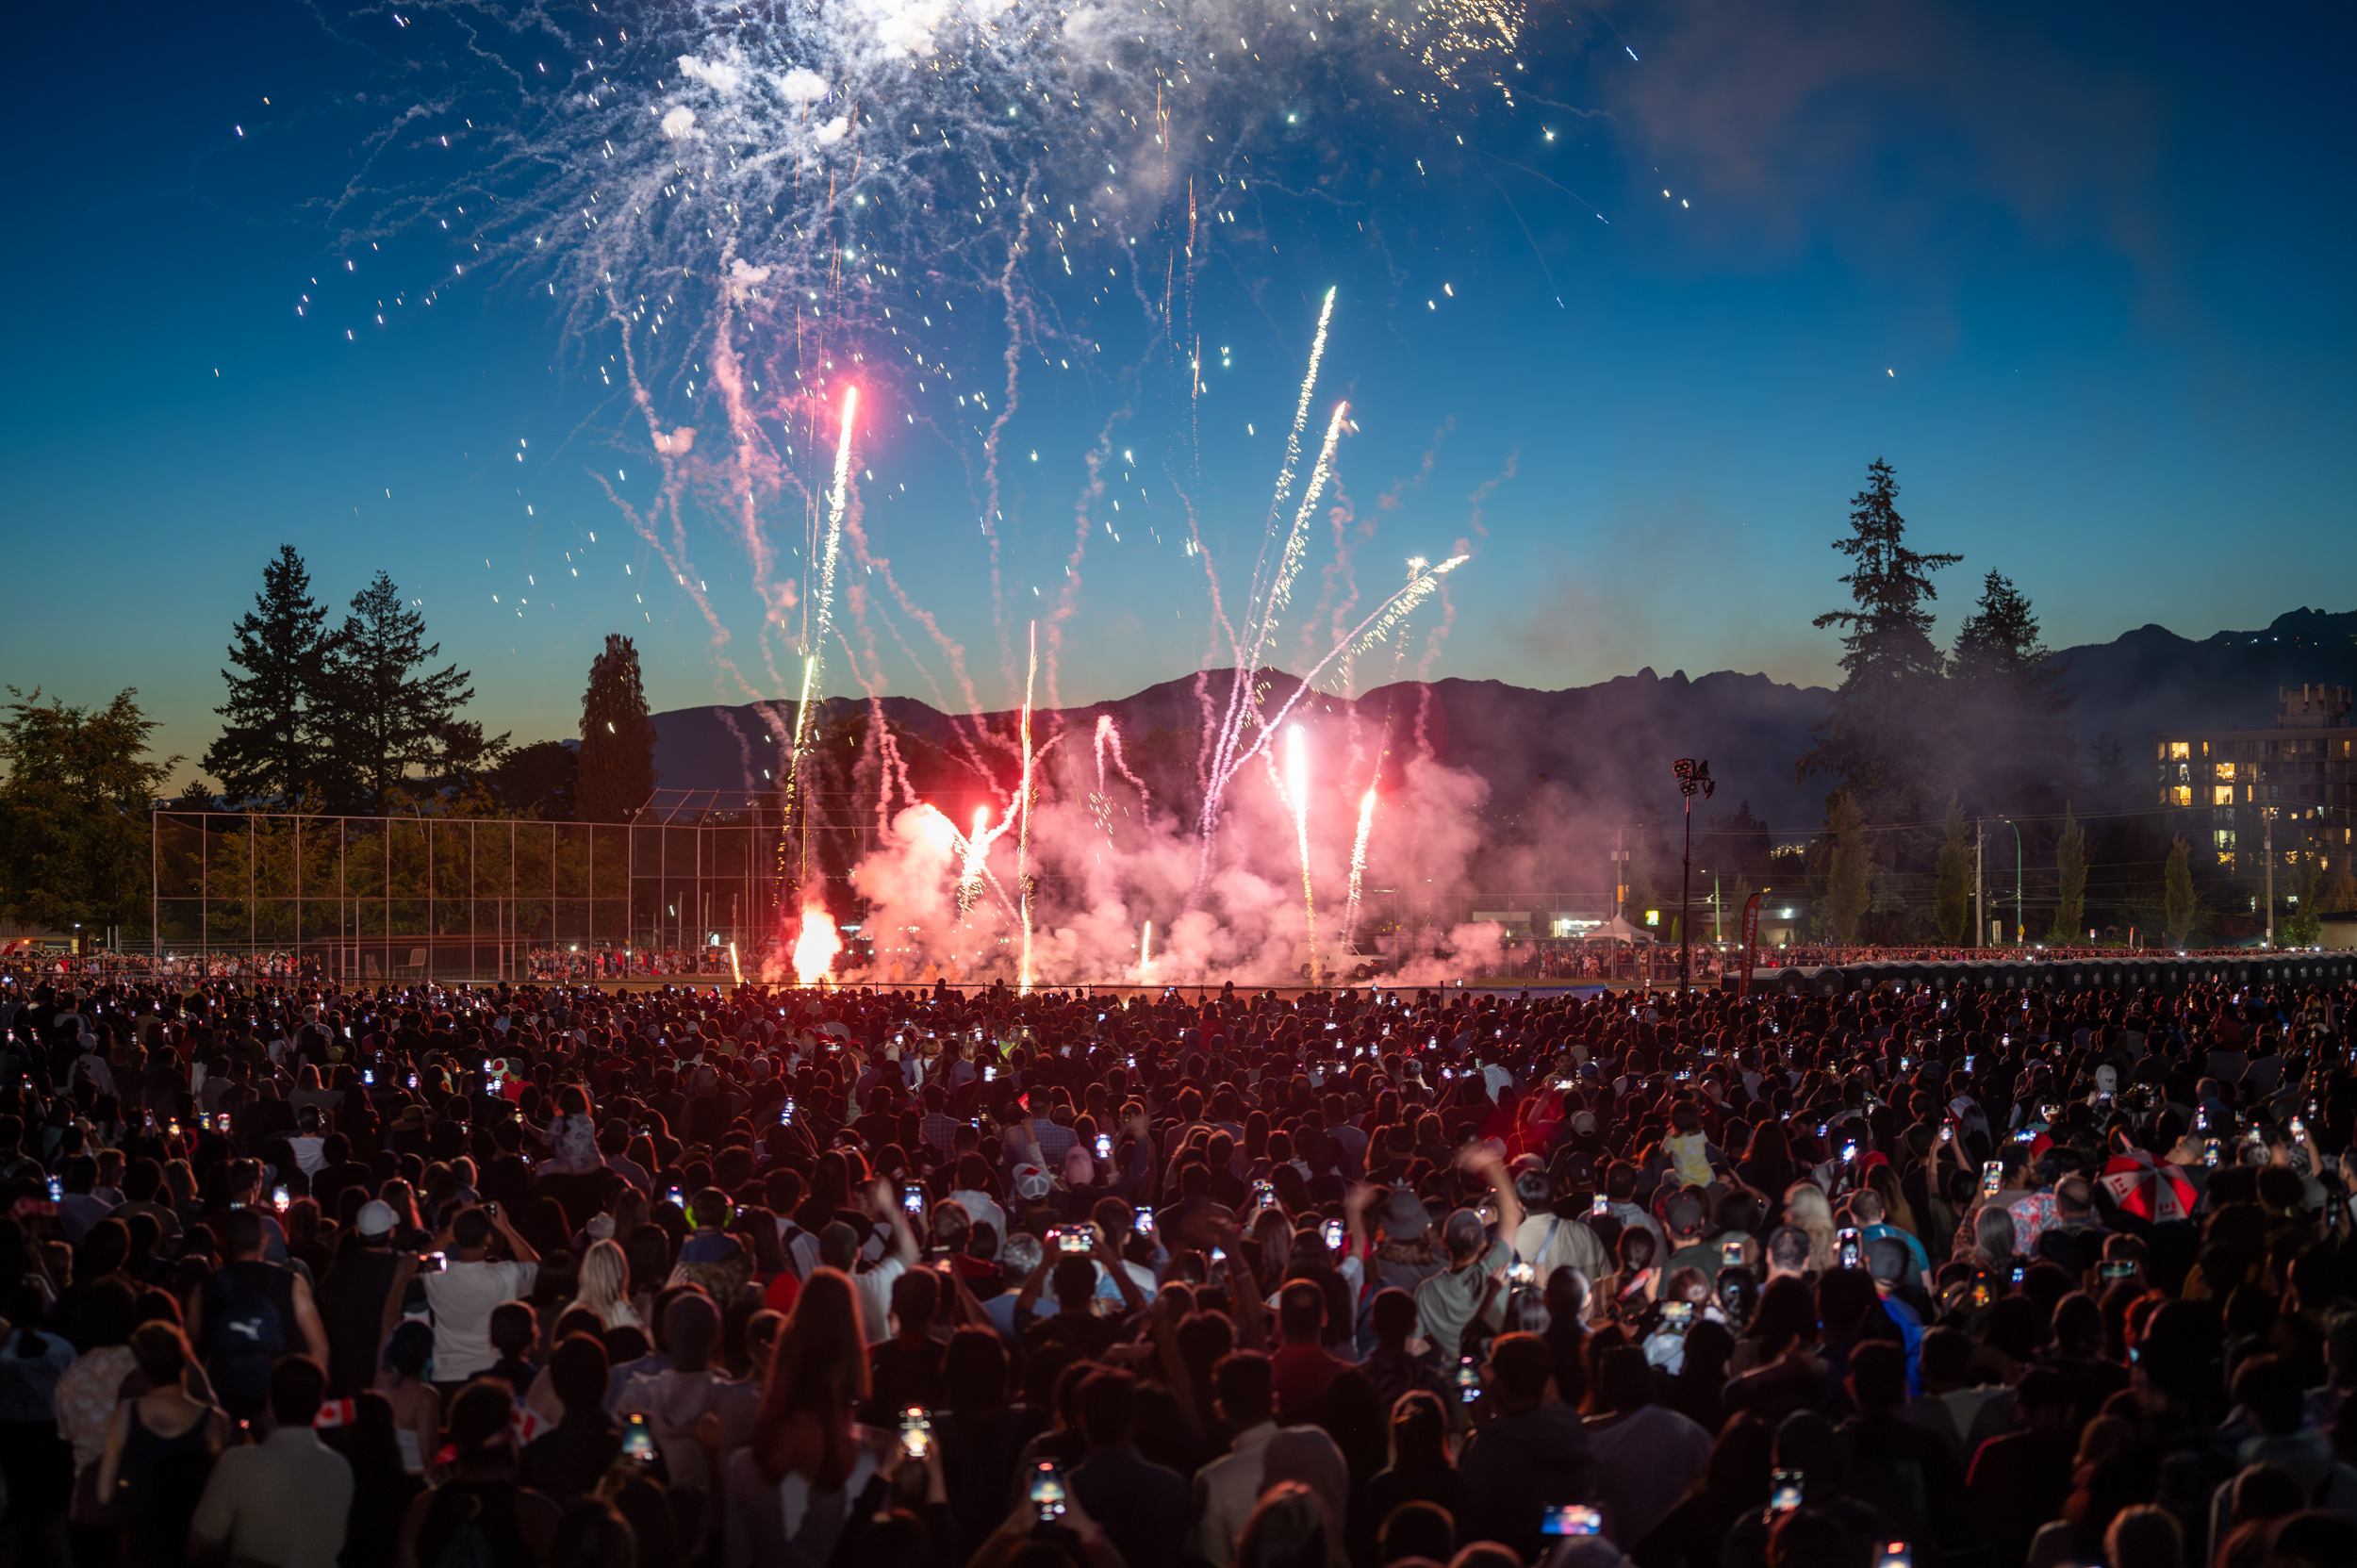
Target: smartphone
[916, 1432]
[2299, 1128]
[1219, 1255]
[1853, 1250]
[1849, 1152]
[2118, 1268]
[1600, 1207]
[1104, 1146]
[2021, 1272]
[1784, 1491]
[432, 1263]
[1468, 1381]
[1073, 1238]
[1677, 1316]
[671, 1194]
[1992, 1177]
[413, 1080]
[1332, 1232]
[1947, 1133]
[2209, 1152]
[1047, 1492]
[57, 1189]
[1264, 1195]
[1572, 1519]
[367, 1077]
[1145, 1218]
[912, 1197]
[1730, 1254]
[990, 1072]
[1521, 1274]
[278, 1198]
[1968, 1063]
[1894, 1555]
[637, 1442]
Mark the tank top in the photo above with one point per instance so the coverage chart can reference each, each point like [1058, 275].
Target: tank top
[162, 1479]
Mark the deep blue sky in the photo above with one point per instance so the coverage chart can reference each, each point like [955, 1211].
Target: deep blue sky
[2079, 272]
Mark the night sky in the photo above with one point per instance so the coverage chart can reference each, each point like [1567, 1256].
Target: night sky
[2080, 272]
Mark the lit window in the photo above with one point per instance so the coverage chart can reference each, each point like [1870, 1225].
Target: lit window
[2226, 839]
[2181, 796]
[2225, 770]
[2179, 751]
[2223, 795]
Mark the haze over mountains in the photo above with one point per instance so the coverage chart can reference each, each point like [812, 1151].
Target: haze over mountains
[1610, 744]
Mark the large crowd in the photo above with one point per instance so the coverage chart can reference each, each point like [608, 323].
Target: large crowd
[477, 1277]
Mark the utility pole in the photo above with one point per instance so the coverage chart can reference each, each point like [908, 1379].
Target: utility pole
[1980, 903]
[2021, 926]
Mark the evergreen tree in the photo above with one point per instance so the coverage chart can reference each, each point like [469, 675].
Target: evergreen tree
[1849, 869]
[1951, 887]
[270, 746]
[2011, 736]
[2070, 880]
[616, 767]
[2179, 908]
[1874, 740]
[74, 812]
[388, 712]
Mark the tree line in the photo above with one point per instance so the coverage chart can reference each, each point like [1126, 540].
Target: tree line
[358, 717]
[1926, 749]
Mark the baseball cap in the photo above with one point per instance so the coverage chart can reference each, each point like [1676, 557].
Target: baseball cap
[375, 1219]
[1031, 1184]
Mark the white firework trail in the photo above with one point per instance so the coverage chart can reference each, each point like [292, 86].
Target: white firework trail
[1358, 861]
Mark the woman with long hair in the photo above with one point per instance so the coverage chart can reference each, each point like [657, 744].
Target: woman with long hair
[604, 1287]
[1767, 1165]
[799, 1488]
[1806, 1208]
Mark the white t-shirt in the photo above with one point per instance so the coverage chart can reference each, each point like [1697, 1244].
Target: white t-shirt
[875, 1297]
[462, 1297]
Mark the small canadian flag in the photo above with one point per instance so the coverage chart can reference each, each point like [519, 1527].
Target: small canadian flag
[337, 1412]
[527, 1425]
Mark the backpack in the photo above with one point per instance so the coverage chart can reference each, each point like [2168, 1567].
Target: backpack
[245, 1331]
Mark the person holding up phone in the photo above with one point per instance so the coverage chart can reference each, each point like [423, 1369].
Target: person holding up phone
[470, 1284]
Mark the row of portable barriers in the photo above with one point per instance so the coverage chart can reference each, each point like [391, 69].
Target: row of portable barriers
[2123, 974]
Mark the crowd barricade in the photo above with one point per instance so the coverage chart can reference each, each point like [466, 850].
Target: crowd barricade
[2060, 976]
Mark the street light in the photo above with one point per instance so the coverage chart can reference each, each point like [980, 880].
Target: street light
[1692, 776]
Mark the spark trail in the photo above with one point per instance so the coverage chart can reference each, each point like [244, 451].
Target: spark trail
[1297, 786]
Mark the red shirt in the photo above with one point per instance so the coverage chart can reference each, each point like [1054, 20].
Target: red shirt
[1300, 1373]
